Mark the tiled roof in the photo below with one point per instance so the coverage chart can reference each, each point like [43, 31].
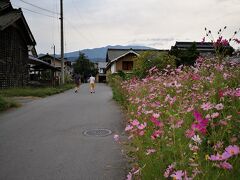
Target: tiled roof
[4, 4]
[44, 64]
[50, 56]
[9, 18]
[115, 53]
[201, 46]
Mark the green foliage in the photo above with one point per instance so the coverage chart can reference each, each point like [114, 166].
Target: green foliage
[5, 104]
[114, 81]
[122, 74]
[84, 67]
[37, 92]
[223, 51]
[150, 59]
[185, 57]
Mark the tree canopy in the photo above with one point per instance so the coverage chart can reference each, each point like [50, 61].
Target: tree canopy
[84, 67]
[185, 57]
[150, 59]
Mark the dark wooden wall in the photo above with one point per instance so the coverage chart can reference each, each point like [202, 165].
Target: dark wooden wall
[13, 59]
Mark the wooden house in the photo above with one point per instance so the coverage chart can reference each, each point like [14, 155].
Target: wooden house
[16, 40]
[122, 59]
[204, 48]
[56, 62]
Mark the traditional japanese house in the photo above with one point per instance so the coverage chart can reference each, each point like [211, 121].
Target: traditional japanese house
[204, 48]
[16, 40]
[56, 62]
[123, 59]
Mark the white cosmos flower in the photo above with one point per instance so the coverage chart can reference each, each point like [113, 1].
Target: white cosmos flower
[197, 139]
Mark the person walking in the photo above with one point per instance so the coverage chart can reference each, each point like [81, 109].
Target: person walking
[77, 80]
[92, 84]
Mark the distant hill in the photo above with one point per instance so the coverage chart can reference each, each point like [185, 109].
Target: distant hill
[98, 54]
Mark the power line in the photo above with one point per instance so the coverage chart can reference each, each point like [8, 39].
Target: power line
[77, 31]
[77, 10]
[39, 7]
[34, 11]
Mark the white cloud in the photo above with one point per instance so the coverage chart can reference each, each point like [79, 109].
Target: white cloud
[158, 23]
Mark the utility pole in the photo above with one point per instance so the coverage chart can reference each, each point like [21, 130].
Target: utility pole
[54, 55]
[62, 41]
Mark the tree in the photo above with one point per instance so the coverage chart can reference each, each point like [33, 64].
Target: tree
[150, 59]
[185, 57]
[84, 67]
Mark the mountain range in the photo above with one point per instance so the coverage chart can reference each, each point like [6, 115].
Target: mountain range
[98, 54]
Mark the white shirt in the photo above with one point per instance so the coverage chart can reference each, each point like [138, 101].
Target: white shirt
[92, 80]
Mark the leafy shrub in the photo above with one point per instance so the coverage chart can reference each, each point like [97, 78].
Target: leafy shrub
[5, 104]
[149, 60]
[185, 57]
[115, 81]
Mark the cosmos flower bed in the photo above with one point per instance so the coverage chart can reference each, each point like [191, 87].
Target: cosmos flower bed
[185, 123]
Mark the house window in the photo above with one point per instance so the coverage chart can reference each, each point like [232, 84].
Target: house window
[127, 65]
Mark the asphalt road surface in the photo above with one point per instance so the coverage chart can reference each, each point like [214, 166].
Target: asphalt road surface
[44, 139]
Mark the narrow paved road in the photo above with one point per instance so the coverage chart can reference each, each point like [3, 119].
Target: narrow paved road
[44, 140]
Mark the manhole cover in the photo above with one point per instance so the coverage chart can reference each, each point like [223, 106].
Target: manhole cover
[97, 132]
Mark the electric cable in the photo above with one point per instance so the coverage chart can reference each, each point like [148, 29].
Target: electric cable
[44, 9]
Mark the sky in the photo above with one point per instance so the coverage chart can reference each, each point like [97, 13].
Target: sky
[153, 23]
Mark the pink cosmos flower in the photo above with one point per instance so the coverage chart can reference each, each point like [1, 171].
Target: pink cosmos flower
[233, 150]
[208, 116]
[206, 106]
[179, 123]
[189, 133]
[156, 134]
[136, 171]
[116, 137]
[215, 115]
[131, 136]
[196, 77]
[156, 122]
[135, 122]
[128, 128]
[178, 175]
[217, 157]
[142, 126]
[223, 123]
[219, 106]
[220, 93]
[225, 42]
[156, 115]
[201, 124]
[225, 165]
[220, 157]
[129, 176]
[141, 133]
[190, 109]
[150, 151]
[237, 92]
[149, 112]
[169, 170]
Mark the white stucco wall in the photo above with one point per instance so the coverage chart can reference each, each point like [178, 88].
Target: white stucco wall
[113, 68]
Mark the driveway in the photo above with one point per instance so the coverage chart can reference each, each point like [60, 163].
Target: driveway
[55, 138]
